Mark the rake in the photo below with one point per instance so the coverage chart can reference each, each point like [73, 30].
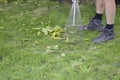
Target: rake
[73, 23]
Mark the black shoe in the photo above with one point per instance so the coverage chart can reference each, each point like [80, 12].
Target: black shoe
[106, 35]
[95, 25]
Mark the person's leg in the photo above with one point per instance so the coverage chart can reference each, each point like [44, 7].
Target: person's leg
[108, 33]
[99, 9]
[100, 6]
[110, 9]
[96, 22]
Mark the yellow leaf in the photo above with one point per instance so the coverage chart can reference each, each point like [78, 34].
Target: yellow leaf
[49, 29]
[41, 22]
[67, 40]
[1, 27]
[36, 42]
[56, 35]
[63, 54]
[35, 28]
[58, 29]
[38, 33]
[45, 31]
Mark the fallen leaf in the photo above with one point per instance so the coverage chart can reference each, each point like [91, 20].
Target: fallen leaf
[58, 29]
[45, 31]
[56, 35]
[63, 54]
[56, 47]
[36, 42]
[52, 49]
[24, 40]
[35, 28]
[23, 24]
[1, 27]
[38, 33]
[67, 40]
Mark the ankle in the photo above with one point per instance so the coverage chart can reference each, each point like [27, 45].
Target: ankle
[98, 16]
[109, 26]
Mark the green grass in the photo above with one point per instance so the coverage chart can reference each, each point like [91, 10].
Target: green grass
[21, 58]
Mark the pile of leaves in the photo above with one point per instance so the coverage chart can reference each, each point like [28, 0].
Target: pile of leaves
[68, 35]
[55, 32]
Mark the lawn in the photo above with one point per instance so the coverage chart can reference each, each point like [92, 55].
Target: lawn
[28, 54]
